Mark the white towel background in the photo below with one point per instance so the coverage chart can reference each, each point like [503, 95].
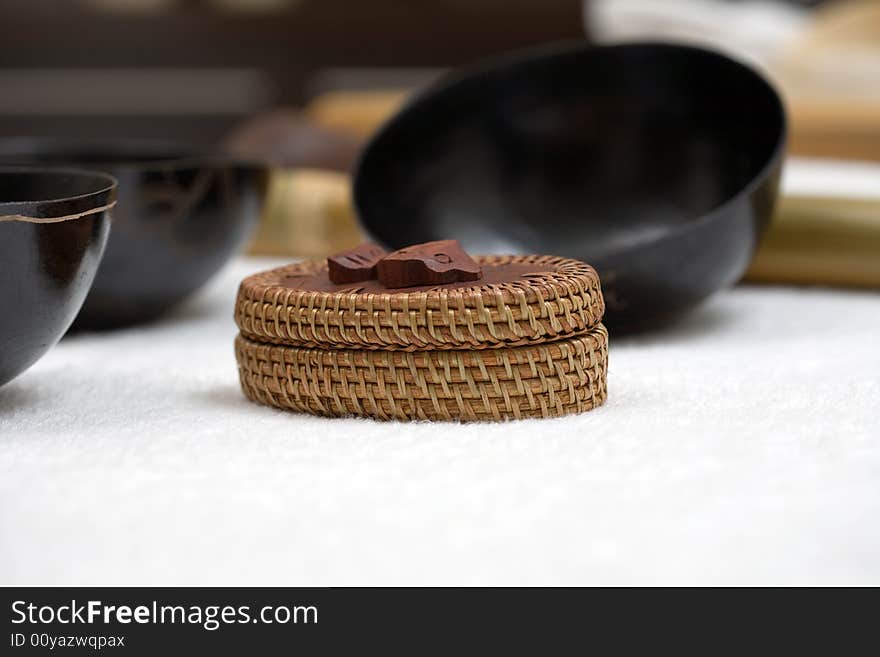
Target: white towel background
[741, 446]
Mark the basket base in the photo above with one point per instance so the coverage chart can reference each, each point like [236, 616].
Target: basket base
[543, 380]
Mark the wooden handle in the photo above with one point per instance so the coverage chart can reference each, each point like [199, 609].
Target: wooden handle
[358, 113]
[821, 241]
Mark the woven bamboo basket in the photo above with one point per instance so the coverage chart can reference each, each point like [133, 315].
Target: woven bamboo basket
[540, 380]
[560, 298]
[528, 345]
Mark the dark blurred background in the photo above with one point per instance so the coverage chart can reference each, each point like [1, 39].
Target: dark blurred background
[302, 83]
[193, 69]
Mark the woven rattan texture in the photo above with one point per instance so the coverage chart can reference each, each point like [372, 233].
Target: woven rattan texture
[562, 299]
[540, 380]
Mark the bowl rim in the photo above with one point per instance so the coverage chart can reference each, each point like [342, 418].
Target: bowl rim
[570, 48]
[64, 208]
[136, 154]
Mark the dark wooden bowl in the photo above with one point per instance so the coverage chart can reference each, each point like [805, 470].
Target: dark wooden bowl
[658, 164]
[182, 214]
[53, 229]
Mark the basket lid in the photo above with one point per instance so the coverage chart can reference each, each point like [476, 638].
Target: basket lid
[518, 300]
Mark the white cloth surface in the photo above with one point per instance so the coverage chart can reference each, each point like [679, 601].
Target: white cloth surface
[741, 446]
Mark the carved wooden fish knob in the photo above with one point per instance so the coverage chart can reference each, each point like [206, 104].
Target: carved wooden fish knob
[431, 263]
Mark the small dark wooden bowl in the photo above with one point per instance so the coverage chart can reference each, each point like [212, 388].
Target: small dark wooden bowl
[182, 214]
[53, 229]
[658, 164]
